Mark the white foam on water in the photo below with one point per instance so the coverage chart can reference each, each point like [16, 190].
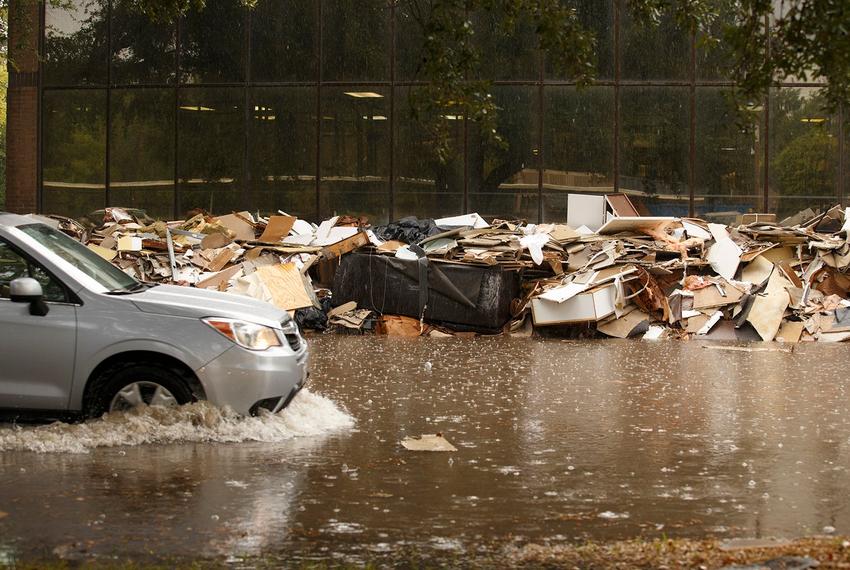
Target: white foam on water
[309, 414]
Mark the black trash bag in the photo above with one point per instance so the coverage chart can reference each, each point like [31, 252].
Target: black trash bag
[410, 230]
[314, 318]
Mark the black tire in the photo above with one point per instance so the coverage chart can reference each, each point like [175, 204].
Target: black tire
[117, 377]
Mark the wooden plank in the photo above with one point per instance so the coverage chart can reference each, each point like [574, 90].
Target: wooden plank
[342, 247]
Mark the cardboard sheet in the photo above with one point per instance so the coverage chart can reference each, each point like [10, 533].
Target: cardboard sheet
[277, 228]
[105, 253]
[241, 229]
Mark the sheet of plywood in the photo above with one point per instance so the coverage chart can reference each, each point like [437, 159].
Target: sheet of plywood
[285, 285]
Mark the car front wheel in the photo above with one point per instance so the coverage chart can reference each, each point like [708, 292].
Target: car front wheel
[126, 386]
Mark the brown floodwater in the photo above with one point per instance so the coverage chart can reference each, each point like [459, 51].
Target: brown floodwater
[557, 441]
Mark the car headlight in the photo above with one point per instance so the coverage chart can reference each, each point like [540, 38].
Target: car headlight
[247, 335]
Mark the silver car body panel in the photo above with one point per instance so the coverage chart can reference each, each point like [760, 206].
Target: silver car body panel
[64, 348]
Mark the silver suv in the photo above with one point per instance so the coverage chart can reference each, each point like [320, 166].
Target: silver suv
[80, 336]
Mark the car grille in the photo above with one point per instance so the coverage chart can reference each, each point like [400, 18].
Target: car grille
[294, 341]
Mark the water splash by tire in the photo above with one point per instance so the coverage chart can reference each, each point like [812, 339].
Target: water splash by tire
[309, 414]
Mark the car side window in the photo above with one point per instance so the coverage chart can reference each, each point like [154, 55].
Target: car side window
[13, 265]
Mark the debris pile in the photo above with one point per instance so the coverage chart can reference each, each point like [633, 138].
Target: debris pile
[614, 275]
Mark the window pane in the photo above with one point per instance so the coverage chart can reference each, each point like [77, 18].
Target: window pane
[598, 17]
[211, 148]
[356, 40]
[212, 43]
[803, 152]
[142, 51]
[578, 146]
[424, 185]
[355, 147]
[503, 180]
[141, 158]
[654, 143]
[283, 40]
[282, 153]
[74, 151]
[728, 159]
[410, 19]
[507, 52]
[653, 52]
[76, 43]
[714, 59]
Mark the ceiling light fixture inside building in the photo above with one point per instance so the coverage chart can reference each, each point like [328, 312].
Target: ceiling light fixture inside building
[364, 95]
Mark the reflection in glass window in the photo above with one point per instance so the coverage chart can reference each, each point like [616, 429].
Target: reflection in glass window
[425, 186]
[142, 51]
[596, 16]
[653, 52]
[728, 158]
[74, 151]
[578, 145]
[211, 149]
[714, 60]
[284, 40]
[507, 52]
[282, 154]
[355, 149]
[142, 150]
[410, 19]
[803, 152]
[503, 179]
[356, 40]
[14, 266]
[654, 143]
[213, 42]
[75, 43]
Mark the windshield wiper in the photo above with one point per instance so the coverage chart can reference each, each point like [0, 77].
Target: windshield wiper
[137, 288]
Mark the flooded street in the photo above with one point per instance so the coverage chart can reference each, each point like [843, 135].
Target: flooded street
[558, 441]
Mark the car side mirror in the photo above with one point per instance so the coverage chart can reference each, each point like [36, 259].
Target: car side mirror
[28, 290]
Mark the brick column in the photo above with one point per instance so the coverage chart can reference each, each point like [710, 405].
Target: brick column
[22, 107]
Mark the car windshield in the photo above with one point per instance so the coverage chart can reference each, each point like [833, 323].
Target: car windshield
[82, 258]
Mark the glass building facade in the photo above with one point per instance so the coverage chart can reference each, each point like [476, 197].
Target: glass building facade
[307, 106]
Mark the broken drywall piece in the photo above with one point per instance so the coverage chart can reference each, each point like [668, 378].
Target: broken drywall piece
[695, 231]
[724, 257]
[129, 243]
[768, 308]
[654, 332]
[583, 210]
[427, 442]
[757, 270]
[709, 324]
[534, 244]
[468, 220]
[632, 323]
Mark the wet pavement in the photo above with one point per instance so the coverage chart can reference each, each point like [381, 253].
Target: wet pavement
[558, 441]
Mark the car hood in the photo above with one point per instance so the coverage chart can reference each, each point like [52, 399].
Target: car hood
[192, 302]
